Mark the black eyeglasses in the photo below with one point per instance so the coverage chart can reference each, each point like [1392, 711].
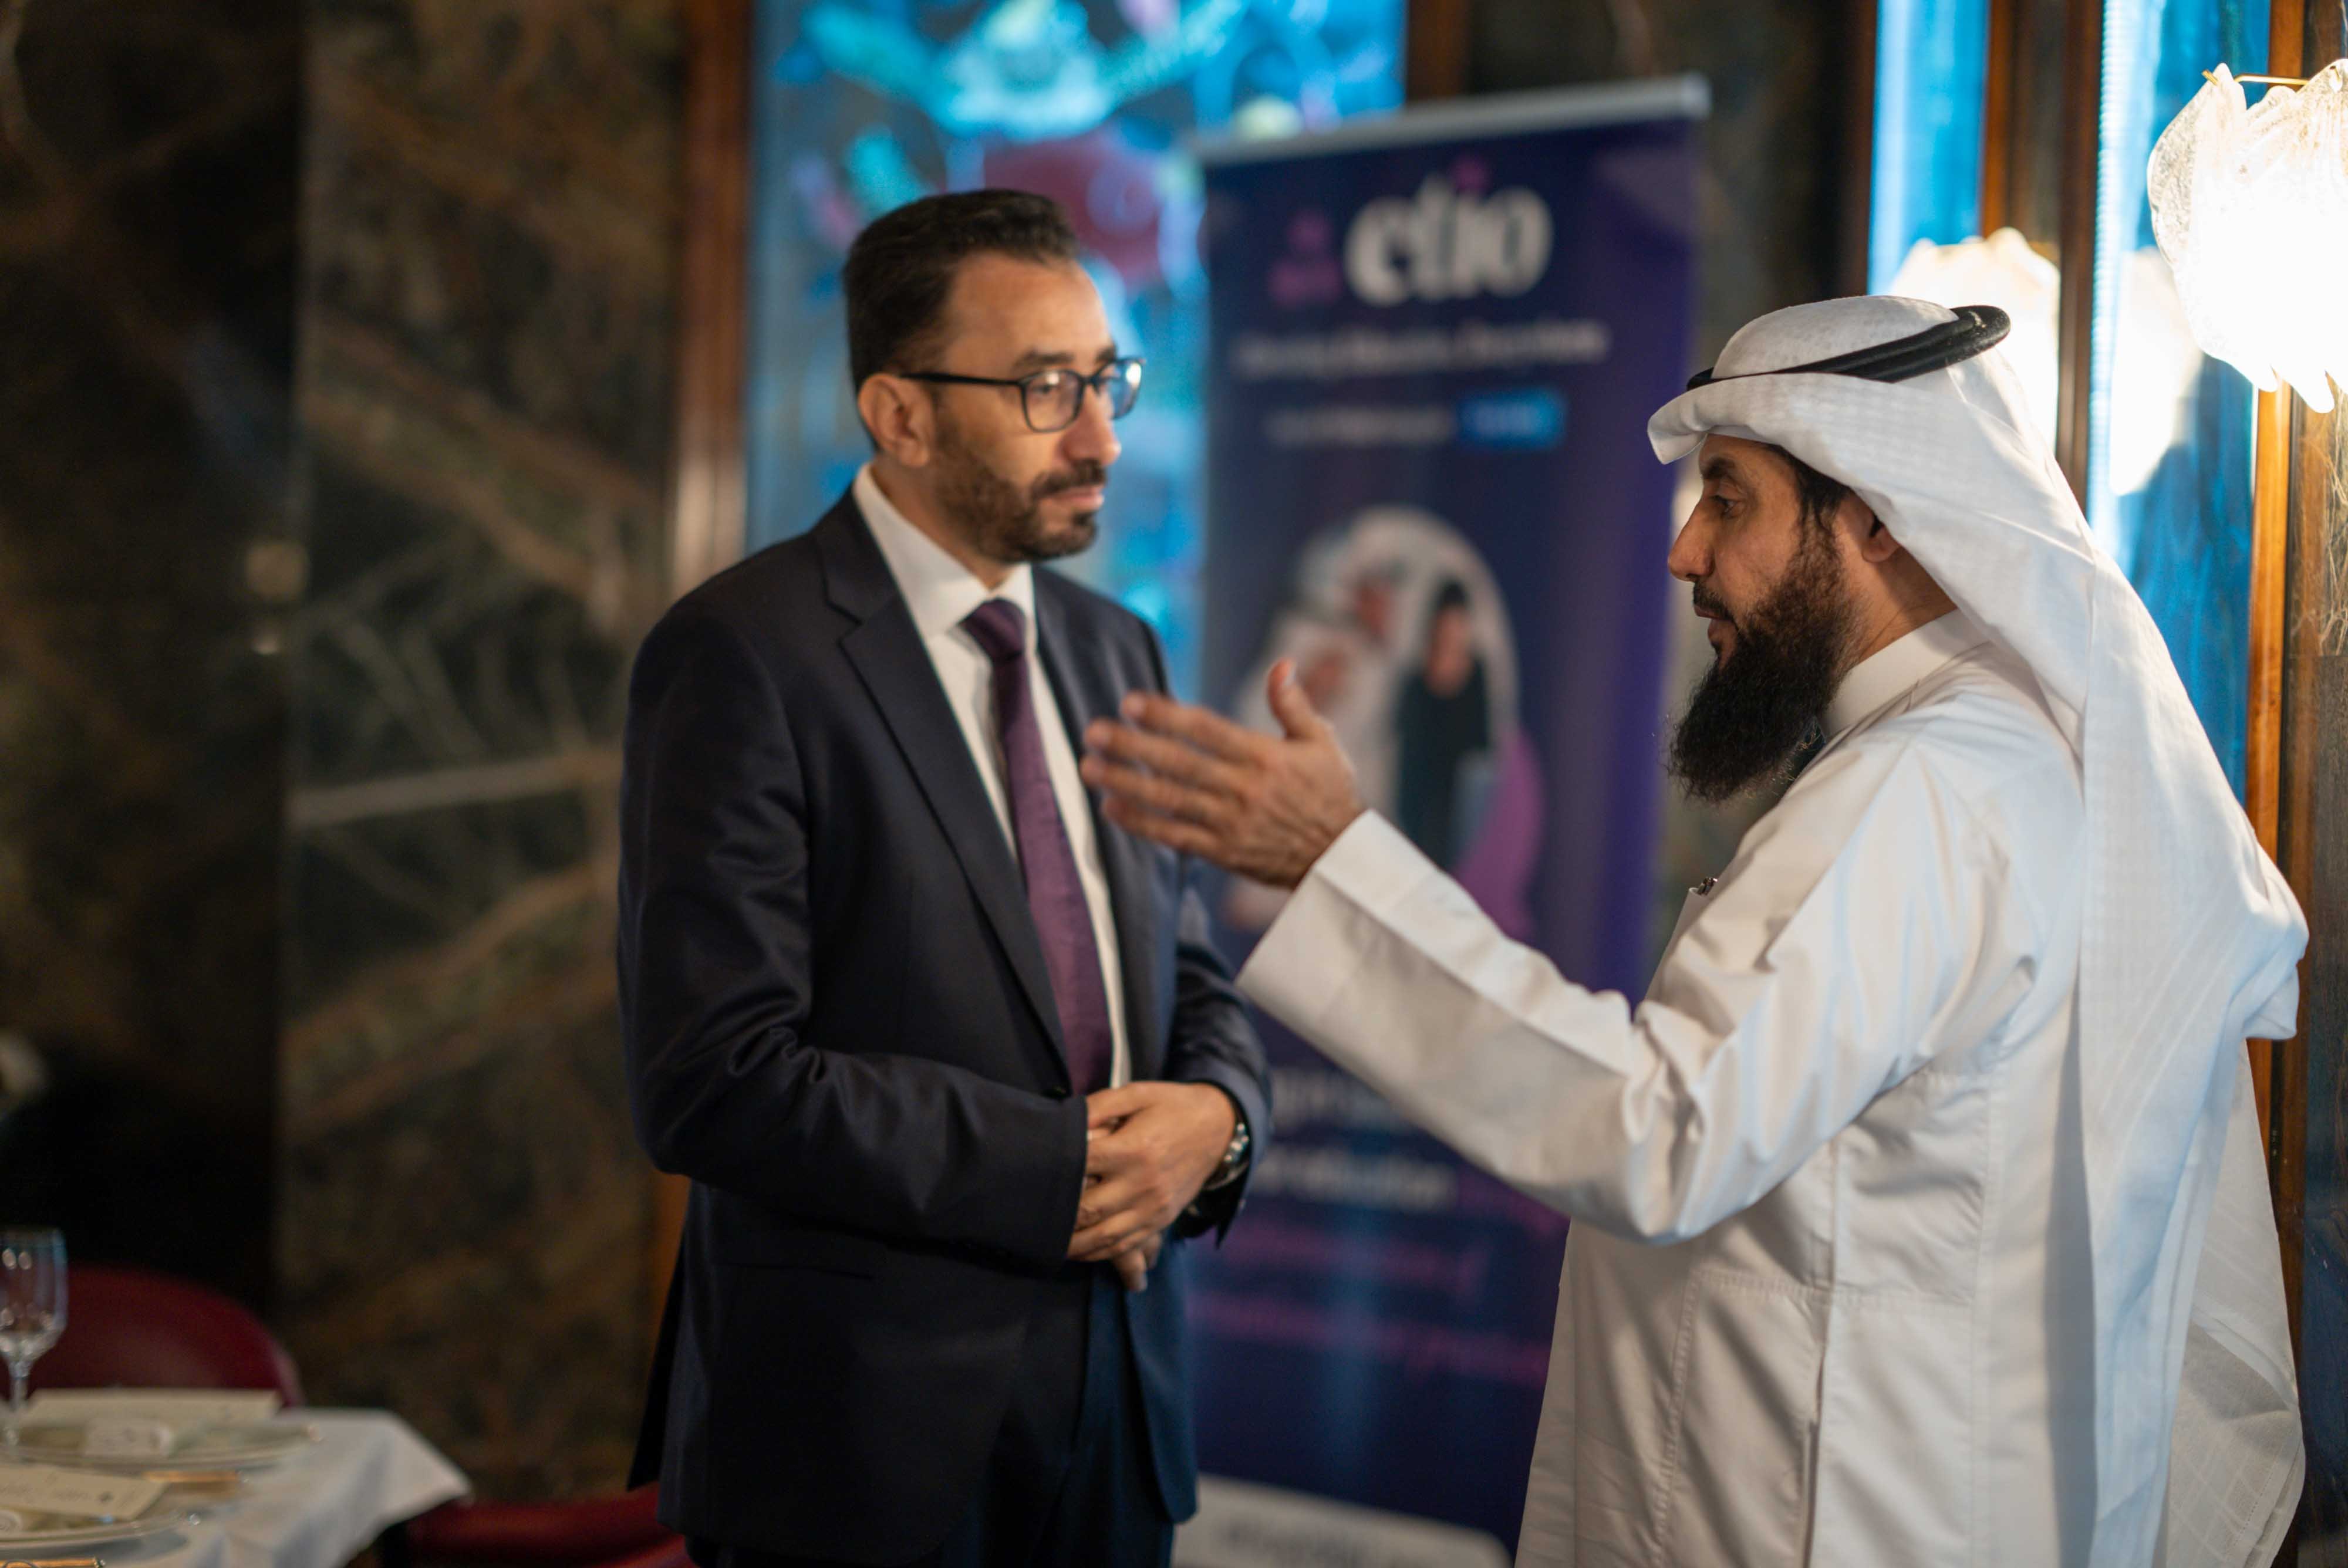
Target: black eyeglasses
[1051, 399]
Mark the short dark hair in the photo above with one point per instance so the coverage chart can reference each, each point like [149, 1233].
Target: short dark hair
[900, 269]
[1817, 494]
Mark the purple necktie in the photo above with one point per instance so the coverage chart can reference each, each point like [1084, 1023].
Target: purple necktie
[1055, 897]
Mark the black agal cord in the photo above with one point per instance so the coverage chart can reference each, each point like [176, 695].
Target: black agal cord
[1977, 330]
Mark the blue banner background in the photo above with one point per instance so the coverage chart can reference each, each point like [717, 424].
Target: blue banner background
[1376, 1328]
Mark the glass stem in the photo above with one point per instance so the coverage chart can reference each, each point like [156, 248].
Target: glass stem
[17, 1373]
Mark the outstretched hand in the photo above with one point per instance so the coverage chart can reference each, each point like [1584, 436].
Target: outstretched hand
[1265, 806]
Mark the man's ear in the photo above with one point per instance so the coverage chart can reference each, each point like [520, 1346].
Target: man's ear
[1875, 545]
[899, 419]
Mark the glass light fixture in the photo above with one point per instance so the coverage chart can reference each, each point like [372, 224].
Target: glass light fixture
[2155, 360]
[2249, 205]
[2002, 270]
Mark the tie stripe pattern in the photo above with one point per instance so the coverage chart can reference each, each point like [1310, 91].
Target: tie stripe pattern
[1055, 896]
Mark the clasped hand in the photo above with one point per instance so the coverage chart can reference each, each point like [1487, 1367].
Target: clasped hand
[1150, 1146]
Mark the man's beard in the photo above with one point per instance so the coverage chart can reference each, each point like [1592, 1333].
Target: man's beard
[1759, 715]
[1003, 522]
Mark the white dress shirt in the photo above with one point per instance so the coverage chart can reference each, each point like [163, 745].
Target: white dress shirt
[1826, 1299]
[940, 592]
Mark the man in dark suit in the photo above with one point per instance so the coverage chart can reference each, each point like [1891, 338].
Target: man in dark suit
[947, 1056]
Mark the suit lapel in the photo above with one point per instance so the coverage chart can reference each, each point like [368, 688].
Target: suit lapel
[1085, 691]
[885, 648]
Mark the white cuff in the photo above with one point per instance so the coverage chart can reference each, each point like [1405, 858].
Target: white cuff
[1310, 953]
[1373, 864]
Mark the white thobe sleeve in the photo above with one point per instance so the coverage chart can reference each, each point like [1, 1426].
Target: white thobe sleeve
[1858, 933]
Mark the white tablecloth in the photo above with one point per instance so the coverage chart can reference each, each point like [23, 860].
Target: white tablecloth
[368, 1472]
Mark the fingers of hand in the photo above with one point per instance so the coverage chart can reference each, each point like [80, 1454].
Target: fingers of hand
[1104, 1238]
[1145, 1093]
[1104, 1243]
[1165, 797]
[1109, 1156]
[1103, 1106]
[1168, 758]
[1203, 728]
[1119, 1208]
[1137, 1149]
[1137, 1257]
[1120, 1233]
[1173, 831]
[1292, 707]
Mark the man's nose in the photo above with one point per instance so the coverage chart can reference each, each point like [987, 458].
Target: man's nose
[1691, 556]
[1092, 439]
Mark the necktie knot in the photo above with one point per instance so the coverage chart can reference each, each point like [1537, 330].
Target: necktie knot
[1000, 628]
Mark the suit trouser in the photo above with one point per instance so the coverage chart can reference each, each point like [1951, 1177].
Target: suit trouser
[1069, 1482]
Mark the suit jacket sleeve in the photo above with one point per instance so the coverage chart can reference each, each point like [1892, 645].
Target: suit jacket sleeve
[716, 986]
[1212, 1039]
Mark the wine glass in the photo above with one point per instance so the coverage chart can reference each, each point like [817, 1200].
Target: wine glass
[32, 1307]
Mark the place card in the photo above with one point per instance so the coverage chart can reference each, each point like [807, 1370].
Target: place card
[125, 1436]
[76, 1493]
[182, 1410]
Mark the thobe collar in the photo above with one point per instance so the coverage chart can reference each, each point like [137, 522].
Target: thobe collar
[1889, 673]
[939, 591]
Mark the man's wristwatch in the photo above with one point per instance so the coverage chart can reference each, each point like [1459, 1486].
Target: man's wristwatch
[1235, 1157]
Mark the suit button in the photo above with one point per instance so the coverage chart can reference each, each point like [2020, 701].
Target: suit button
[1059, 1093]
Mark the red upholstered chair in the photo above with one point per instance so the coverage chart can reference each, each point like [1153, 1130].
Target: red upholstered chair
[669, 1553]
[129, 1327]
[616, 1531]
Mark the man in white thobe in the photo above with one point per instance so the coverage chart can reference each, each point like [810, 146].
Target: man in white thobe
[1923, 1217]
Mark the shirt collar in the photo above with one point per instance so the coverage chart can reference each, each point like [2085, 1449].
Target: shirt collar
[1889, 673]
[939, 589]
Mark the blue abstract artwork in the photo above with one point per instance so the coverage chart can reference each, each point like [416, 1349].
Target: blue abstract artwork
[1930, 60]
[2182, 532]
[860, 105]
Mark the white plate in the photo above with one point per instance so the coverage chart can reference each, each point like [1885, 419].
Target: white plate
[243, 1445]
[165, 1516]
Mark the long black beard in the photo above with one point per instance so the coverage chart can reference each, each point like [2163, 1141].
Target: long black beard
[1759, 715]
[1004, 522]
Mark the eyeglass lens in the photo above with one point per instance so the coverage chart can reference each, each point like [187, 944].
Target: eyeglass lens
[1053, 397]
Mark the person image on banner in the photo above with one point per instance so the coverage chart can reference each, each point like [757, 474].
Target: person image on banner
[1400, 639]
[1443, 727]
[1919, 1206]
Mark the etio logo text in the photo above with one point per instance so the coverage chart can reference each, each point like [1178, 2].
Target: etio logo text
[1447, 245]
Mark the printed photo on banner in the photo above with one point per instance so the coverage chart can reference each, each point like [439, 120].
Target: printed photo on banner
[1402, 638]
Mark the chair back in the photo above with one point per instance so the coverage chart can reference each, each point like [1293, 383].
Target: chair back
[129, 1328]
[617, 1529]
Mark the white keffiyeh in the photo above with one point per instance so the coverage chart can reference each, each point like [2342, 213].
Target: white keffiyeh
[2191, 940]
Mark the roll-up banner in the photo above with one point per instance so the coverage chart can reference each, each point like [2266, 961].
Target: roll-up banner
[1436, 341]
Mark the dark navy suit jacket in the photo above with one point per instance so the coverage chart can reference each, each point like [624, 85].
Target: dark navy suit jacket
[839, 1025]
